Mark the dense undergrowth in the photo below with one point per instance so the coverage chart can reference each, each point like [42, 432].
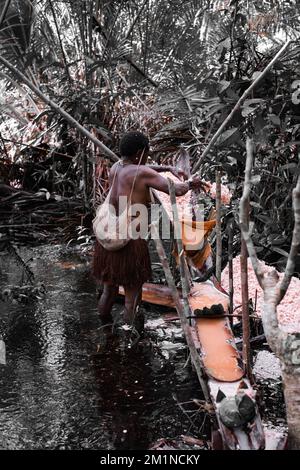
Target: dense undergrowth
[171, 69]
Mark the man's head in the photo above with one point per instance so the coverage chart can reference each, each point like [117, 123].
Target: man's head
[133, 146]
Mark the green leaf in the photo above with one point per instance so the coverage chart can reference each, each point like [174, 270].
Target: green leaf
[289, 166]
[264, 218]
[255, 204]
[253, 101]
[256, 75]
[275, 119]
[280, 251]
[223, 85]
[255, 179]
[231, 135]
[2, 352]
[247, 110]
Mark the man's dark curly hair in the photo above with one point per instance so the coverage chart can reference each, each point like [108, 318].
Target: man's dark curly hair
[132, 142]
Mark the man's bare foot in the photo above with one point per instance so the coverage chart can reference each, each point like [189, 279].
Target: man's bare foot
[139, 322]
[106, 318]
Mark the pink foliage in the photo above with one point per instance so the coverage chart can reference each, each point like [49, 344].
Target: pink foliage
[225, 193]
[183, 202]
[288, 310]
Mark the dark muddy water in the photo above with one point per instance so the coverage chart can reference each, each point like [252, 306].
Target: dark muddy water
[69, 384]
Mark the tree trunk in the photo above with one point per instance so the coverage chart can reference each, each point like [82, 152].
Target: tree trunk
[291, 381]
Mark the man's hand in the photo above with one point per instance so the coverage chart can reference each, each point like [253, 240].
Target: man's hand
[197, 183]
[180, 174]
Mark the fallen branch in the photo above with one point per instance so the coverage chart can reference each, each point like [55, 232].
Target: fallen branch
[58, 109]
[140, 71]
[255, 341]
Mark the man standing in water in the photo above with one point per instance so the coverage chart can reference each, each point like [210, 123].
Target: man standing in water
[130, 266]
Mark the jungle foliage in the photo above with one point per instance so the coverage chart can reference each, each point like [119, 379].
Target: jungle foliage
[172, 69]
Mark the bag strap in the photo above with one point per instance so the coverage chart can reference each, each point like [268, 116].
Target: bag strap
[134, 180]
[115, 174]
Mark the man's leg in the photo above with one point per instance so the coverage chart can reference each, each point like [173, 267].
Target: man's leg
[107, 300]
[133, 297]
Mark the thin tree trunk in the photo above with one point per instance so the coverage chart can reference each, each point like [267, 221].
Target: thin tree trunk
[291, 381]
[230, 267]
[245, 309]
[218, 227]
[244, 283]
[285, 345]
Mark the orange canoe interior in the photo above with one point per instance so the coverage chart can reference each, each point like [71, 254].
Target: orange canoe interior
[219, 356]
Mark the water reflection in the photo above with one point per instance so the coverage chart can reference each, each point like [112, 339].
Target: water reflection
[68, 383]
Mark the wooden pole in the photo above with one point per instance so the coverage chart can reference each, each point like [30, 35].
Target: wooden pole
[230, 268]
[195, 354]
[218, 227]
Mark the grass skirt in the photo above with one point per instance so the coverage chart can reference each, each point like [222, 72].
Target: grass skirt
[129, 266]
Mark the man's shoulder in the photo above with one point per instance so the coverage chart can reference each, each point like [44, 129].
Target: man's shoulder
[141, 171]
[147, 171]
[113, 168]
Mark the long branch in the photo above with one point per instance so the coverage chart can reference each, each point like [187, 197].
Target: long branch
[239, 103]
[58, 109]
[243, 214]
[218, 226]
[290, 266]
[268, 282]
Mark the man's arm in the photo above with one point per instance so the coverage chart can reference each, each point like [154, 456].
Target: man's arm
[164, 168]
[153, 180]
[160, 168]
